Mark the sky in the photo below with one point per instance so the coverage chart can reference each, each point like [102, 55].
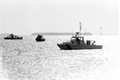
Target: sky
[28, 16]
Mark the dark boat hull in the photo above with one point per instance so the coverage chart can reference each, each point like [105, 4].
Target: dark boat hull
[76, 47]
[6, 38]
[40, 40]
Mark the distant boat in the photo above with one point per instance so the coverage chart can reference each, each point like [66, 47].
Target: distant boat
[77, 42]
[13, 37]
[40, 38]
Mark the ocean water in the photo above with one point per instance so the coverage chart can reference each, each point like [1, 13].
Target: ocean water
[30, 60]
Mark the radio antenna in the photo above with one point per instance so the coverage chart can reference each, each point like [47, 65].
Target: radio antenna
[80, 28]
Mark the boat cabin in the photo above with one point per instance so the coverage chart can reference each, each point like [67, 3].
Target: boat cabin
[78, 40]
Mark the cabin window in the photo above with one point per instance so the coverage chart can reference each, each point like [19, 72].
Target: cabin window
[73, 39]
[81, 39]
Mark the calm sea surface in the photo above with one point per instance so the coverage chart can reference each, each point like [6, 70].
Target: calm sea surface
[30, 60]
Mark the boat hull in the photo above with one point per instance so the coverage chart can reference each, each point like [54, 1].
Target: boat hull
[6, 38]
[40, 40]
[75, 47]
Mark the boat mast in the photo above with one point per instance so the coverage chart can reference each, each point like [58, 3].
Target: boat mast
[80, 28]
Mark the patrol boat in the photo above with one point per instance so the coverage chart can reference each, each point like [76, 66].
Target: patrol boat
[78, 42]
[13, 37]
[40, 38]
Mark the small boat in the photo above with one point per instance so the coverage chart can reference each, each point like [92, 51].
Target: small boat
[40, 38]
[13, 37]
[78, 42]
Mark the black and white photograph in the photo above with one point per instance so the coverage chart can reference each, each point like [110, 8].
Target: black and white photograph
[59, 40]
